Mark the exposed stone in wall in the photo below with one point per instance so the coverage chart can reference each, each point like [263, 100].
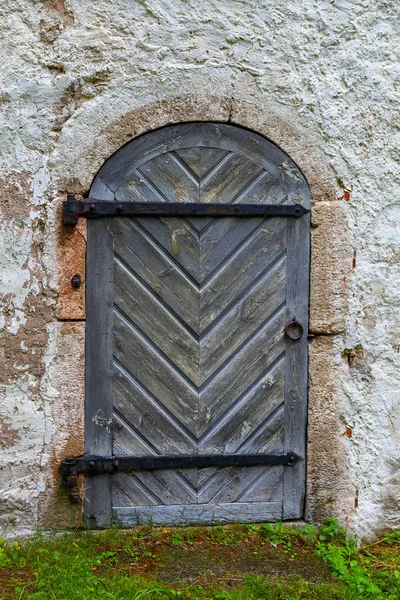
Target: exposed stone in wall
[331, 490]
[27, 302]
[76, 176]
[65, 377]
[319, 79]
[8, 435]
[71, 252]
[332, 262]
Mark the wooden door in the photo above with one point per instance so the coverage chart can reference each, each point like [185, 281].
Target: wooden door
[186, 345]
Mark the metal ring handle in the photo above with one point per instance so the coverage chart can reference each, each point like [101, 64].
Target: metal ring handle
[294, 330]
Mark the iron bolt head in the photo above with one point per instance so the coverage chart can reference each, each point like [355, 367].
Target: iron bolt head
[75, 497]
[92, 207]
[76, 281]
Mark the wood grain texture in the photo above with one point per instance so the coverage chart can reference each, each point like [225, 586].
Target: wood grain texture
[198, 309]
[98, 367]
[198, 514]
[297, 297]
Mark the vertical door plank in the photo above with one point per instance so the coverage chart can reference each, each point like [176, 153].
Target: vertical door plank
[297, 294]
[98, 372]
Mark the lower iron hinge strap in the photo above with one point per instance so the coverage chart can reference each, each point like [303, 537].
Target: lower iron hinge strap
[91, 464]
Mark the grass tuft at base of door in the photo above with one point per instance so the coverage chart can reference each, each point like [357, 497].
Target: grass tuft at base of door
[236, 562]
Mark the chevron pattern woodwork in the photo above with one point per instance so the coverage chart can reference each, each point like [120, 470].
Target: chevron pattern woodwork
[199, 315]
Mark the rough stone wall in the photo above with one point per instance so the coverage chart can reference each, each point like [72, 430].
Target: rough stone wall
[319, 78]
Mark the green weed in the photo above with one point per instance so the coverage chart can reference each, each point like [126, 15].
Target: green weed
[120, 565]
[177, 539]
[10, 554]
[355, 568]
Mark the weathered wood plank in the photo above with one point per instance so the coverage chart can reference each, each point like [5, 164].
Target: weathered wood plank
[232, 484]
[165, 433]
[243, 319]
[128, 491]
[154, 372]
[138, 486]
[207, 135]
[262, 190]
[244, 368]
[258, 149]
[268, 438]
[136, 188]
[241, 270]
[242, 418]
[178, 240]
[164, 277]
[127, 441]
[200, 514]
[228, 179]
[266, 488]
[168, 176]
[156, 322]
[201, 160]
[297, 295]
[219, 241]
[144, 148]
[168, 485]
[98, 367]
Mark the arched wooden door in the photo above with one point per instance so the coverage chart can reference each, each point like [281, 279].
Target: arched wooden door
[187, 354]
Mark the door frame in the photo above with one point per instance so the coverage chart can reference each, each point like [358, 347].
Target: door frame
[98, 366]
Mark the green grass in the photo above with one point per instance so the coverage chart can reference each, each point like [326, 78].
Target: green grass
[238, 562]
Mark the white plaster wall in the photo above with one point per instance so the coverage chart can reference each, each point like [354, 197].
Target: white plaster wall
[328, 68]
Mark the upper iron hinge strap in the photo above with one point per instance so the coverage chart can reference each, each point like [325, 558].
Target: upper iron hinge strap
[92, 208]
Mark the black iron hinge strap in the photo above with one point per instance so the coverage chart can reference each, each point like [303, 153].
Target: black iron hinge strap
[95, 465]
[92, 208]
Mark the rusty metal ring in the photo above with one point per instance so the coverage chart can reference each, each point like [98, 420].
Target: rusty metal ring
[294, 330]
